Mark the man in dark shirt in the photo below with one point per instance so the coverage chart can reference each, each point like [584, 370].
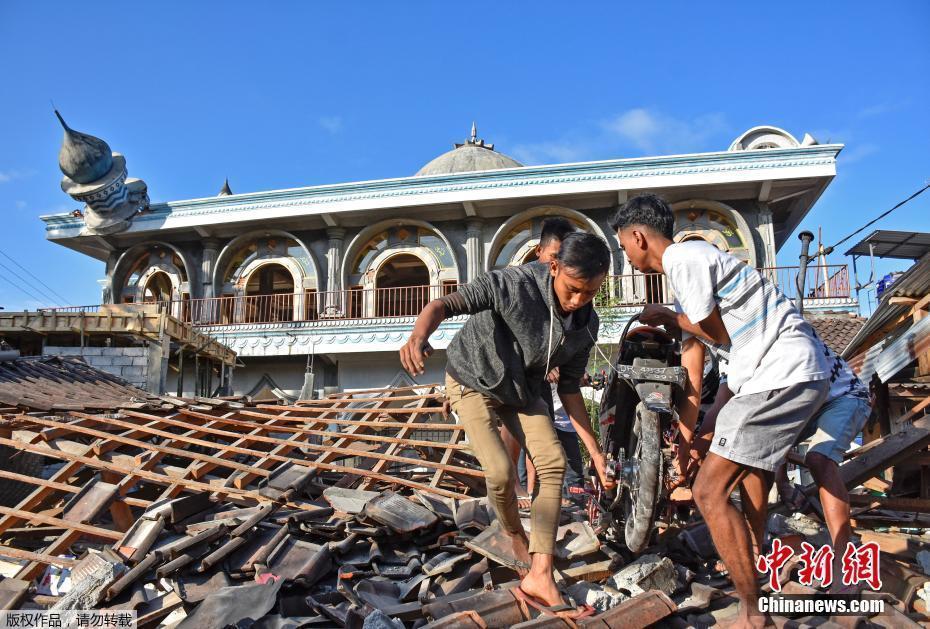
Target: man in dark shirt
[496, 366]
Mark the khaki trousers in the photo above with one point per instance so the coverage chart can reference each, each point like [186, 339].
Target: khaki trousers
[532, 427]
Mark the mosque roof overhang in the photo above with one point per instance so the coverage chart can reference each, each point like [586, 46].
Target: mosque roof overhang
[790, 180]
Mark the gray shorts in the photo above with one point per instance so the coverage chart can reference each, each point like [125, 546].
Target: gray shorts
[758, 429]
[834, 427]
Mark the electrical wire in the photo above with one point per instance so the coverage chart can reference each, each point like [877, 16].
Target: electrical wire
[21, 289]
[881, 216]
[53, 291]
[45, 296]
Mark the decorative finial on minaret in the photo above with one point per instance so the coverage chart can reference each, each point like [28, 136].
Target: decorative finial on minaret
[97, 177]
[64, 124]
[84, 158]
[225, 192]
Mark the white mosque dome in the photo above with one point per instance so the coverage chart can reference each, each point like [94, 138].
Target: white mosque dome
[472, 155]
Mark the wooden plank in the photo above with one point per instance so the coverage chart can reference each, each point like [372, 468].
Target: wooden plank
[164, 479]
[394, 447]
[274, 440]
[151, 447]
[41, 518]
[306, 404]
[268, 462]
[911, 505]
[251, 425]
[22, 478]
[352, 422]
[323, 409]
[99, 464]
[196, 469]
[413, 387]
[64, 541]
[39, 558]
[446, 457]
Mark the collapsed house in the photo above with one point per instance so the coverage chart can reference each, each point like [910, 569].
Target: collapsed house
[358, 510]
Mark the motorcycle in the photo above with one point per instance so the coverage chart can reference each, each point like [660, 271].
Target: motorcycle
[639, 432]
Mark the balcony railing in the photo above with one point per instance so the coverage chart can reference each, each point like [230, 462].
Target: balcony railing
[373, 303]
[618, 291]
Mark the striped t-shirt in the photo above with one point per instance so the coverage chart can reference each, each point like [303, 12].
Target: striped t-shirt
[772, 346]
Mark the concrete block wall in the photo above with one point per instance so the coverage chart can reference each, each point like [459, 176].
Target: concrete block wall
[129, 363]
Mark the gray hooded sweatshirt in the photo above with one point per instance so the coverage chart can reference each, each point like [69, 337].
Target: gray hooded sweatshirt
[503, 350]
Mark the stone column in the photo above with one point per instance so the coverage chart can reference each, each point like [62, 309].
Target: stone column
[767, 234]
[211, 250]
[333, 305]
[474, 249]
[110, 293]
[207, 311]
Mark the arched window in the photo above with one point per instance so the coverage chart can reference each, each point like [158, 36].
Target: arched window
[395, 268]
[291, 258]
[269, 293]
[264, 278]
[716, 228]
[158, 288]
[402, 286]
[156, 274]
[400, 237]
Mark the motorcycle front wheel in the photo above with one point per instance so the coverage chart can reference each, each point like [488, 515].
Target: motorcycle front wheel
[641, 500]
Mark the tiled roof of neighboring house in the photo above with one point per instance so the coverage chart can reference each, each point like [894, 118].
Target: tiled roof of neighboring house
[54, 383]
[837, 330]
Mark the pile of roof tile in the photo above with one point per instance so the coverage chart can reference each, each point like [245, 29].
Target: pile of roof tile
[360, 510]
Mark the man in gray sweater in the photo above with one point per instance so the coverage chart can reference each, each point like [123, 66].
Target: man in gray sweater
[525, 321]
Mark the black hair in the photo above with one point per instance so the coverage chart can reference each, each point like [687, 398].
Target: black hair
[585, 254]
[555, 228]
[649, 210]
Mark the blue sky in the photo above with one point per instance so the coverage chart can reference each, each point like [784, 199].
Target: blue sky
[297, 93]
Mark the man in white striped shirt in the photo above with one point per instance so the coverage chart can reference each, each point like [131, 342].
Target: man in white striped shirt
[778, 376]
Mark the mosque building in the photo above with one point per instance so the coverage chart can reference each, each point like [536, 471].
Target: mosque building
[339, 271]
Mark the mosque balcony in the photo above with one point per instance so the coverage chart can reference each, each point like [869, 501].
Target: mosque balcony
[381, 319]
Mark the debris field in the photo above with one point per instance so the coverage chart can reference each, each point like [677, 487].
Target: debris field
[364, 509]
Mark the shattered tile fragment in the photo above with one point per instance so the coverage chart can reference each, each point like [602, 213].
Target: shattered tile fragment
[649, 572]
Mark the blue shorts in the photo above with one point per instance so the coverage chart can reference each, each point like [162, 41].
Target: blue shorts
[837, 424]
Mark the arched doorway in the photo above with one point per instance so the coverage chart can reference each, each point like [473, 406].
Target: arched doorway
[157, 289]
[270, 294]
[402, 286]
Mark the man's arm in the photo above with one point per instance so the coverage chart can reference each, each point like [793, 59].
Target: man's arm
[711, 328]
[417, 349]
[692, 359]
[702, 441]
[573, 403]
[486, 292]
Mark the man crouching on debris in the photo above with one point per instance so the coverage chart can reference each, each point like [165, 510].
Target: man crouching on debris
[777, 374]
[526, 321]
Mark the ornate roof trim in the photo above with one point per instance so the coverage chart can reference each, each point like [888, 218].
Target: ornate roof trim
[619, 174]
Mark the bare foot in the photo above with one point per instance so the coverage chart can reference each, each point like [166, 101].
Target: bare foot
[542, 587]
[521, 551]
[745, 620]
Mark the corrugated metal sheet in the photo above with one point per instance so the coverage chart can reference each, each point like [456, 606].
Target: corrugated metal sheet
[902, 352]
[915, 283]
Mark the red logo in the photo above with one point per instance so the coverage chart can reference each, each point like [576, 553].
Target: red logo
[773, 562]
[860, 565]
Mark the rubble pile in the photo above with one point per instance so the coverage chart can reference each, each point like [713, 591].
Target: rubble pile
[364, 510]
